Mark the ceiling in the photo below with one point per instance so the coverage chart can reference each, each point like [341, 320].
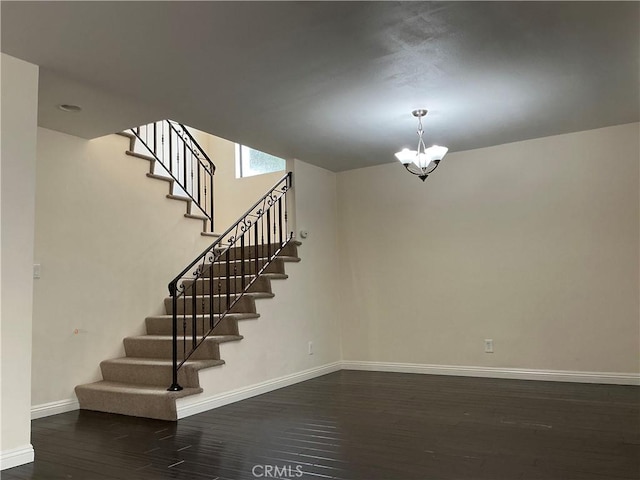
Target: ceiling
[333, 83]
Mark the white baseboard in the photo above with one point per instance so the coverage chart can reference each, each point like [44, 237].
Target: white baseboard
[493, 372]
[186, 408]
[16, 457]
[54, 408]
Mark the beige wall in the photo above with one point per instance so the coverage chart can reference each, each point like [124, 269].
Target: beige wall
[109, 242]
[18, 165]
[532, 244]
[304, 308]
[232, 196]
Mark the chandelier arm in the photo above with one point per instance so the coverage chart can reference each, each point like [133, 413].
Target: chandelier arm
[414, 169]
[434, 168]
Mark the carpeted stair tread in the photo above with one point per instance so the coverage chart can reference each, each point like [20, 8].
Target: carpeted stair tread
[235, 286]
[151, 390]
[206, 296]
[140, 155]
[181, 198]
[167, 338]
[163, 324]
[236, 316]
[261, 259]
[161, 346]
[196, 217]
[234, 268]
[162, 362]
[275, 276]
[136, 400]
[154, 371]
[160, 177]
[185, 305]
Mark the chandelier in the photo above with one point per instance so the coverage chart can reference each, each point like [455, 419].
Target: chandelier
[423, 161]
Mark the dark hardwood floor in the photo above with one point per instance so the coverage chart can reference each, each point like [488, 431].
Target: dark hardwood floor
[361, 425]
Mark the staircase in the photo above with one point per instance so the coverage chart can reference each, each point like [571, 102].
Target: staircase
[175, 157]
[136, 384]
[207, 301]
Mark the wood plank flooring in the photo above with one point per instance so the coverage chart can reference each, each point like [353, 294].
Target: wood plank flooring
[361, 425]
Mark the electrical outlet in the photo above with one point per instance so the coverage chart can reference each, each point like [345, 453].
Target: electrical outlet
[488, 345]
[37, 270]
[310, 348]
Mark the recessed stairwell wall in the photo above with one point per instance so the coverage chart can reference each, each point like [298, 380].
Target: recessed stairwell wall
[532, 244]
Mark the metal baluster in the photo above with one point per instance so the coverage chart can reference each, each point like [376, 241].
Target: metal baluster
[194, 310]
[211, 308]
[269, 234]
[170, 145]
[198, 167]
[155, 138]
[219, 298]
[255, 243]
[261, 234]
[228, 282]
[184, 173]
[242, 260]
[286, 206]
[280, 220]
[174, 347]
[184, 327]
[210, 195]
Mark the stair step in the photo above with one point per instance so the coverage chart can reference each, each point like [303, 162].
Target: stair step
[135, 400]
[246, 304]
[289, 251]
[160, 346]
[153, 371]
[210, 234]
[140, 155]
[163, 324]
[262, 284]
[234, 268]
[196, 217]
[182, 198]
[155, 176]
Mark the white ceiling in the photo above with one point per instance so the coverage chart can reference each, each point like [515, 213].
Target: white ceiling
[333, 83]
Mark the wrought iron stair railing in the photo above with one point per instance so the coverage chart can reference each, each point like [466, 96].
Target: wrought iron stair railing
[205, 291]
[179, 154]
